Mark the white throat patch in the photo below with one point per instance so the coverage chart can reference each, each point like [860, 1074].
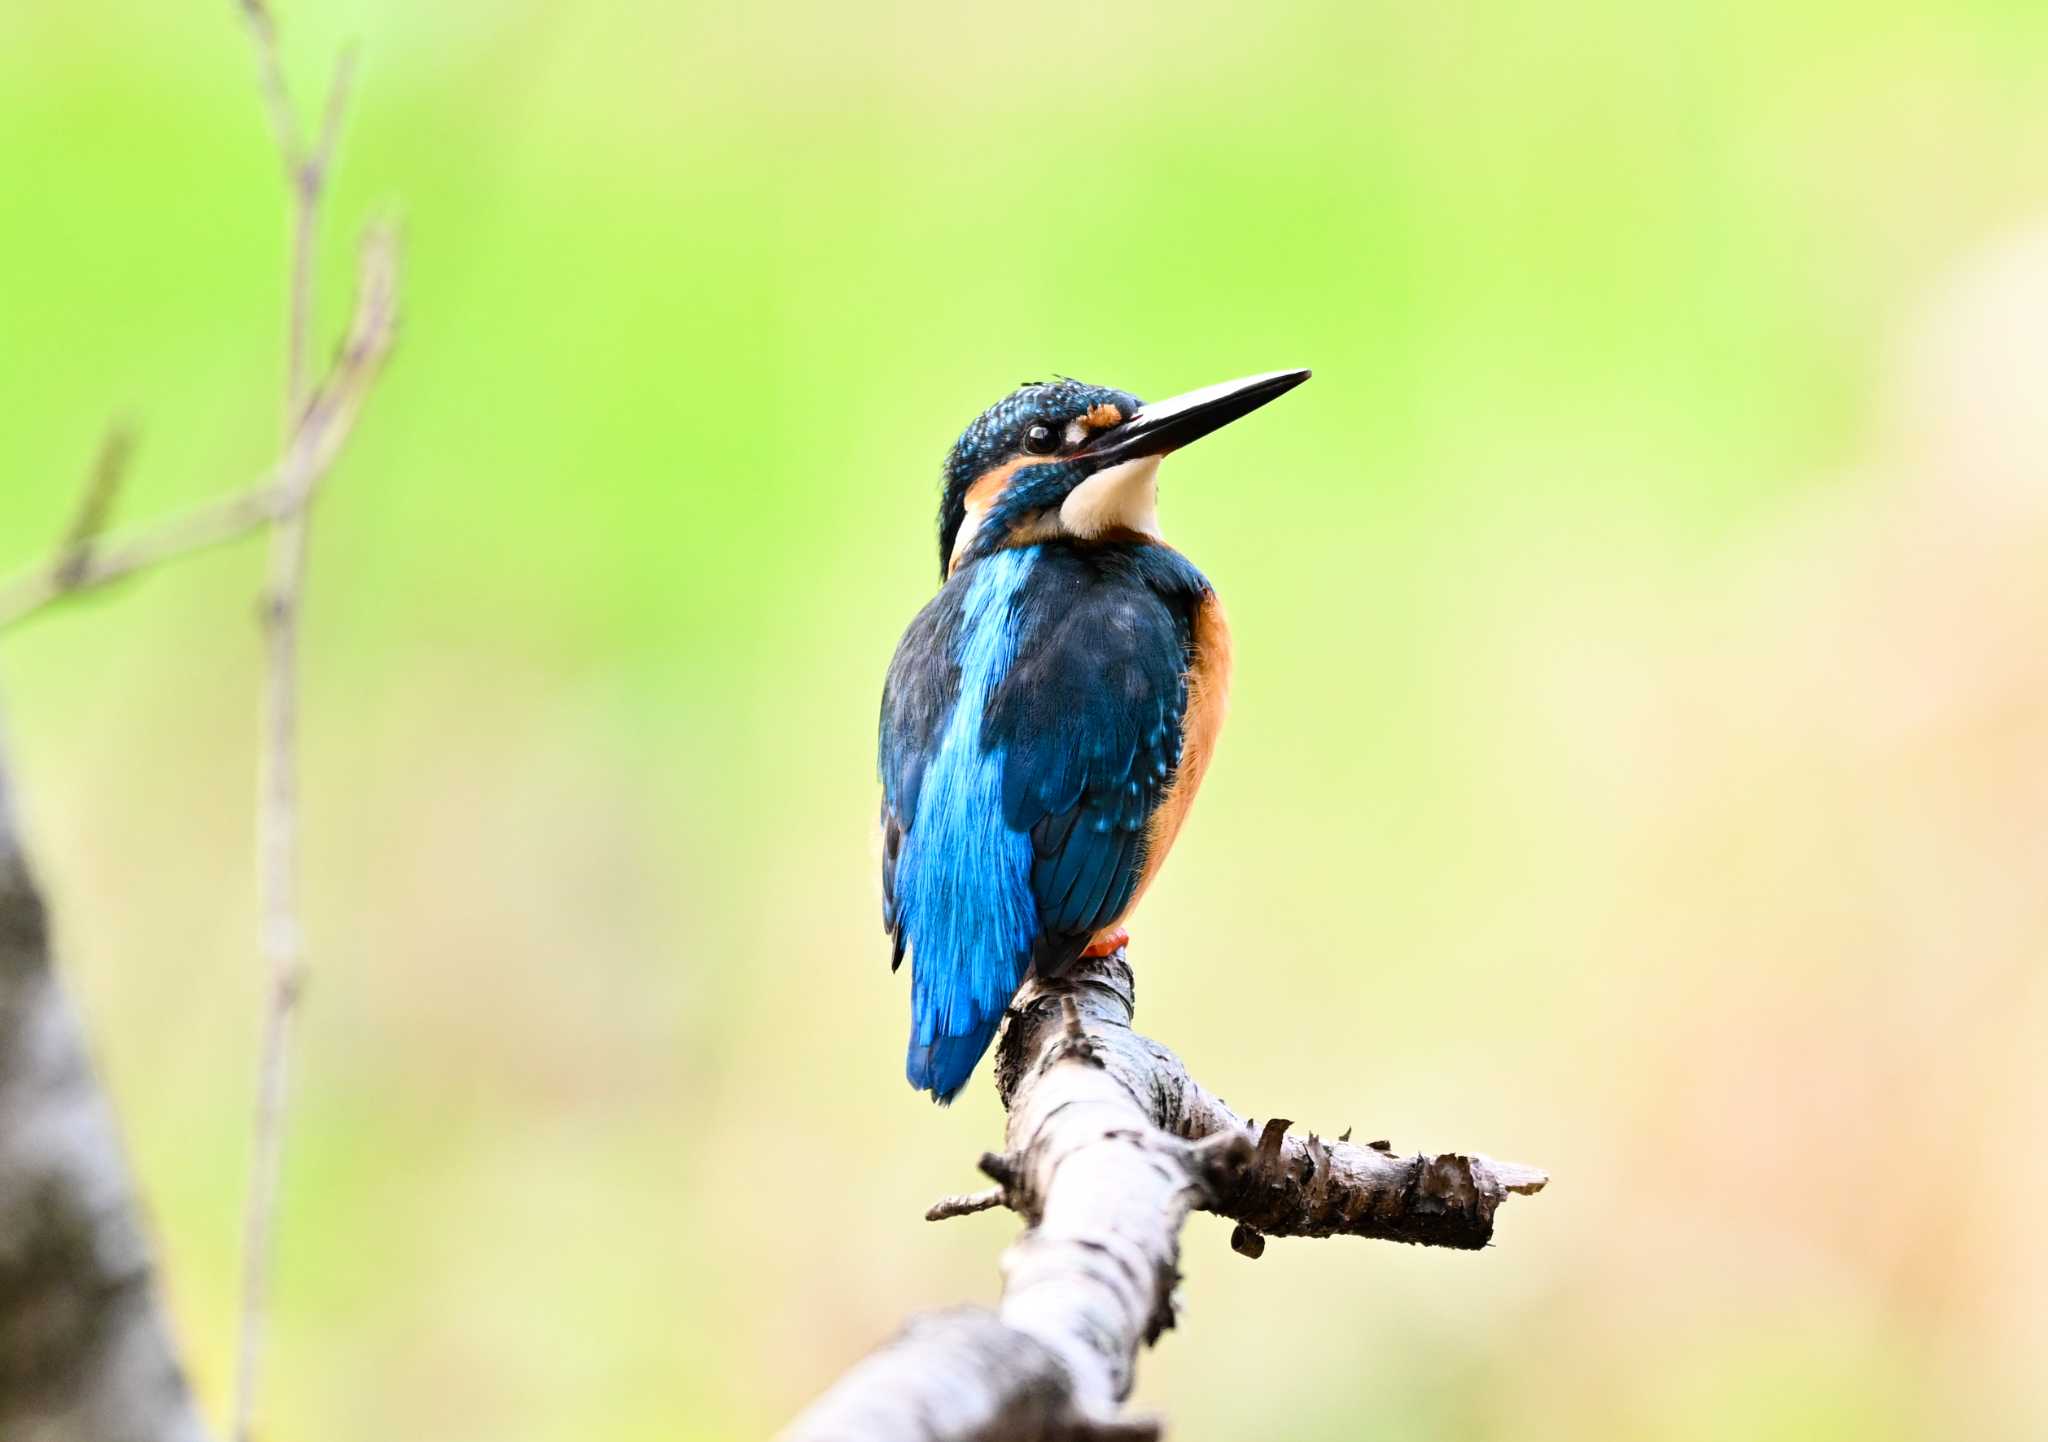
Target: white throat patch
[1122, 497]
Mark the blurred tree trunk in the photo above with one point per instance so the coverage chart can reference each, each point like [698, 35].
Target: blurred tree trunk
[85, 1353]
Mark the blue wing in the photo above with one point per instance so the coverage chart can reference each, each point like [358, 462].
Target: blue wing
[956, 880]
[1030, 725]
[917, 701]
[1087, 722]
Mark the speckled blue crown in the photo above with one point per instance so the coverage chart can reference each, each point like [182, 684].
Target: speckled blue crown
[998, 433]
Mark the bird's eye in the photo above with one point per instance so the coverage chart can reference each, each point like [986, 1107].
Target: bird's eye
[1041, 440]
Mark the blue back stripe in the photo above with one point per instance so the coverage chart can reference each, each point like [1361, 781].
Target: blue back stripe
[963, 881]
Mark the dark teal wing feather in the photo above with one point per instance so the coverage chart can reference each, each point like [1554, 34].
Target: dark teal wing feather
[1087, 722]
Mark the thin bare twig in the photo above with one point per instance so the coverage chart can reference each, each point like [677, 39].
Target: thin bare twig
[277, 100]
[200, 529]
[81, 563]
[309, 188]
[322, 431]
[317, 423]
[282, 936]
[329, 417]
[305, 173]
[329, 414]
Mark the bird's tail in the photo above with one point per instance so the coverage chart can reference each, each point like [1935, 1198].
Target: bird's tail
[943, 1065]
[957, 1000]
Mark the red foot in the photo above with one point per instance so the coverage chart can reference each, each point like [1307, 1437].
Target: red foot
[1108, 943]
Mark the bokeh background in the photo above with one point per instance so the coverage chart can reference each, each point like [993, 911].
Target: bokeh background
[1639, 764]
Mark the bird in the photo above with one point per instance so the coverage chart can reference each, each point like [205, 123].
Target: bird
[1050, 712]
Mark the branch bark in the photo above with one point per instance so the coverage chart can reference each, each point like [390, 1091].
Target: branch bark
[85, 1354]
[1110, 1144]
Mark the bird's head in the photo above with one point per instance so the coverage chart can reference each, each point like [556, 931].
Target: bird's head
[1060, 458]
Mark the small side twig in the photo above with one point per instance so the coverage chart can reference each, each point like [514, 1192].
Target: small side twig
[321, 434]
[964, 1204]
[96, 501]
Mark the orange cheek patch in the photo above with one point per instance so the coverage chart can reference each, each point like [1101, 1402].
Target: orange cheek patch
[980, 498]
[982, 494]
[1102, 417]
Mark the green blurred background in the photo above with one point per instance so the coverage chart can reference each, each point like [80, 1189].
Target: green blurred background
[1639, 764]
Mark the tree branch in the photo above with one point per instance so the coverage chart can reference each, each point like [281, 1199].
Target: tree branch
[1110, 1144]
[85, 1354]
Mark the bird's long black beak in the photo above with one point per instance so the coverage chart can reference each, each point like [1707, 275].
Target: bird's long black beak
[1170, 424]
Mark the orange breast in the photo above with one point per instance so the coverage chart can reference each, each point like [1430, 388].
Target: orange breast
[1208, 699]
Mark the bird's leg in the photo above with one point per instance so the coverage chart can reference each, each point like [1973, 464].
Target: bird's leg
[1108, 942]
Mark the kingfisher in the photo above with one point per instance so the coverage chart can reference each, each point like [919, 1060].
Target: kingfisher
[1049, 714]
